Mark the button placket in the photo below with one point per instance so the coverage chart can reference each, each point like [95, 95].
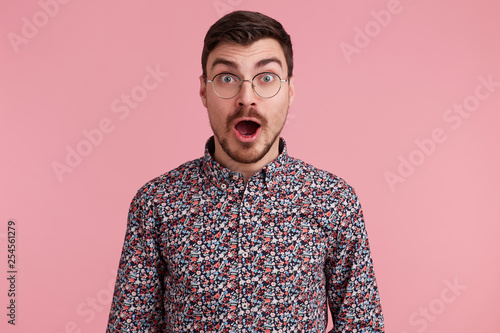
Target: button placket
[244, 247]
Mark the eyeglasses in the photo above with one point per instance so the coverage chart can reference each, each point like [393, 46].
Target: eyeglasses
[265, 85]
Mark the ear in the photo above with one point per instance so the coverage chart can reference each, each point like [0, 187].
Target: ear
[291, 90]
[203, 90]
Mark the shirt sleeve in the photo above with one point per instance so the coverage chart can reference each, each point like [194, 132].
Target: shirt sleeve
[138, 296]
[351, 285]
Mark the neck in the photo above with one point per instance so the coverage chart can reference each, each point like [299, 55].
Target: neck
[247, 169]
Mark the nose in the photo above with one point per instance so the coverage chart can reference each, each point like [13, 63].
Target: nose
[246, 96]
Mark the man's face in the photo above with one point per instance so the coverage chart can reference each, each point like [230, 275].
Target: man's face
[247, 126]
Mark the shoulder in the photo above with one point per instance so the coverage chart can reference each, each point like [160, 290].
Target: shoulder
[320, 181]
[170, 183]
[332, 201]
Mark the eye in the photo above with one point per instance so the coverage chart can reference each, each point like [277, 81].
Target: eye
[226, 78]
[267, 78]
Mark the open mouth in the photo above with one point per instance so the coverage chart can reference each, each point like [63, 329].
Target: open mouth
[247, 127]
[247, 130]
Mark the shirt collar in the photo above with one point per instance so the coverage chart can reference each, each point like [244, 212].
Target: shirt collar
[223, 177]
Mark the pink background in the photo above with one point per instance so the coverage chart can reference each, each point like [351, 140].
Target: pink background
[361, 114]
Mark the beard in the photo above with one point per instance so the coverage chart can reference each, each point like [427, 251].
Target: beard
[246, 152]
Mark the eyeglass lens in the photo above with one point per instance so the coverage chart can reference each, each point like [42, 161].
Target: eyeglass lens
[228, 85]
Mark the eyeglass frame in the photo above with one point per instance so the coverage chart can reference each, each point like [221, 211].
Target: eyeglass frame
[241, 84]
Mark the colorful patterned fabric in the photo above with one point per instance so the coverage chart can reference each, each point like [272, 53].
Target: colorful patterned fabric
[205, 253]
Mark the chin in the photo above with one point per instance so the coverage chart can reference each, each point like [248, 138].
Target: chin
[247, 152]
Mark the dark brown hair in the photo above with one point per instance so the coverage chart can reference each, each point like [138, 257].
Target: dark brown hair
[244, 28]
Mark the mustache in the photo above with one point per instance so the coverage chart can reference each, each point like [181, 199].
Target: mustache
[245, 112]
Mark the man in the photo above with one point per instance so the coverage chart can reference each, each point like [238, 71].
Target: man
[246, 238]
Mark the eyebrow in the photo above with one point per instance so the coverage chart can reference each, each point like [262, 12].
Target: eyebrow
[259, 64]
[220, 61]
[266, 61]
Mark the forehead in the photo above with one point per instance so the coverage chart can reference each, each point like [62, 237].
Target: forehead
[247, 55]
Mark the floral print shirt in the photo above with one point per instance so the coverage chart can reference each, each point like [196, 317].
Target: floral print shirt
[203, 252]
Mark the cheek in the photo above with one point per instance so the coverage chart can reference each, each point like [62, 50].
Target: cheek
[281, 107]
[213, 106]
[218, 111]
[283, 98]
